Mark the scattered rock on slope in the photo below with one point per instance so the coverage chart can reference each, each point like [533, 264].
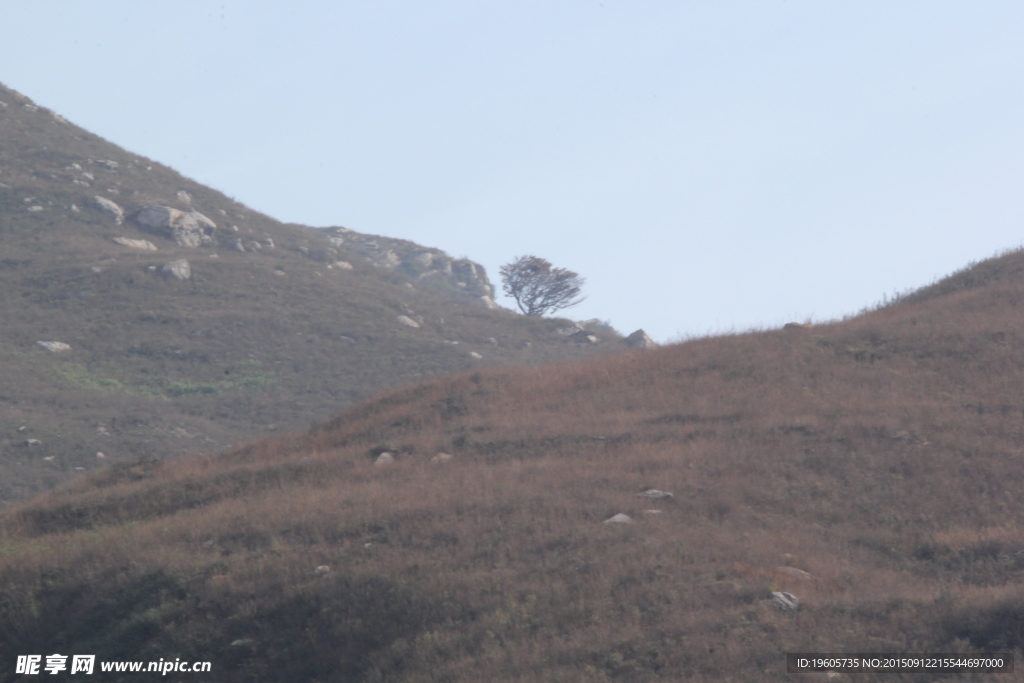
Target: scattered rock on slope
[621, 518]
[787, 602]
[54, 346]
[177, 270]
[145, 245]
[111, 208]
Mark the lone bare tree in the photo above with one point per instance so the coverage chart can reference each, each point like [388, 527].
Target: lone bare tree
[538, 287]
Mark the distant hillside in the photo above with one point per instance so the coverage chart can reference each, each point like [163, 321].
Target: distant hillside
[1008, 266]
[688, 513]
[275, 326]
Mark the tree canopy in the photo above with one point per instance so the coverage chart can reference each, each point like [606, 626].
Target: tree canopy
[538, 287]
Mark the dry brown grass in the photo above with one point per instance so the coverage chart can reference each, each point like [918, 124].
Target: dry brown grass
[882, 455]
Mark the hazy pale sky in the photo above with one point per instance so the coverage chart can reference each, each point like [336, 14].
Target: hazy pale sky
[707, 166]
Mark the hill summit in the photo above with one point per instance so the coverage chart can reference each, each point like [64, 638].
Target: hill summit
[144, 314]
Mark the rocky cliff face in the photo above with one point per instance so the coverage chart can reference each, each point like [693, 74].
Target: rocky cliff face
[431, 267]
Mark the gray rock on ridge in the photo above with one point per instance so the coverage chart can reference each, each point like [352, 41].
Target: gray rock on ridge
[567, 330]
[432, 266]
[584, 337]
[187, 229]
[640, 340]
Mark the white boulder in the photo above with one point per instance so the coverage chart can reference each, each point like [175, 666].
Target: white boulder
[144, 245]
[787, 602]
[177, 270]
[54, 346]
[407, 321]
[620, 518]
[654, 494]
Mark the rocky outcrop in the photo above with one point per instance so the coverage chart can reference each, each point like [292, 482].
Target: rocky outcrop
[567, 330]
[110, 208]
[187, 229]
[640, 340]
[432, 267]
[177, 270]
[584, 337]
[472, 277]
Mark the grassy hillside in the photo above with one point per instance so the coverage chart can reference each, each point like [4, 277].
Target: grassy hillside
[872, 468]
[256, 341]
